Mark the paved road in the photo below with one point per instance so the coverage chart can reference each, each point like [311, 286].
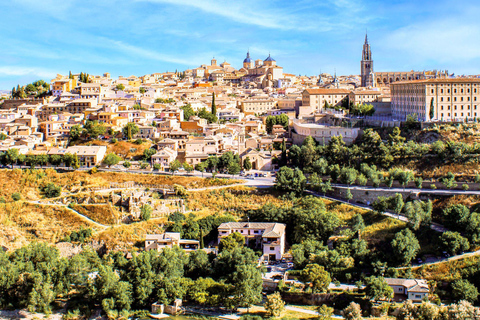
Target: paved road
[411, 190]
[441, 260]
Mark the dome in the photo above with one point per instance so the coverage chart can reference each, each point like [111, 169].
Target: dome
[247, 59]
[269, 58]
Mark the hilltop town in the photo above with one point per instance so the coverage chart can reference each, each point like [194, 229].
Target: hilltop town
[247, 192]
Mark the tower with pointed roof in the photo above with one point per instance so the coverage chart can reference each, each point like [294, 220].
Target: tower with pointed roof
[367, 65]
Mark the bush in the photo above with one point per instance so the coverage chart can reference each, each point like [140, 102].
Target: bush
[157, 166]
[433, 186]
[80, 235]
[144, 166]
[465, 187]
[114, 140]
[93, 170]
[138, 141]
[50, 190]
[145, 212]
[127, 164]
[16, 196]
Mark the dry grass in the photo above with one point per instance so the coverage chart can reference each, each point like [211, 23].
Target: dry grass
[235, 200]
[101, 213]
[128, 236]
[27, 181]
[379, 227]
[446, 271]
[21, 223]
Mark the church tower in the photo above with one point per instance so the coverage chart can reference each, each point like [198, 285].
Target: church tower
[368, 78]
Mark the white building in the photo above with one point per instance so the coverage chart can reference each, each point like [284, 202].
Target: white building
[168, 240]
[268, 236]
[412, 289]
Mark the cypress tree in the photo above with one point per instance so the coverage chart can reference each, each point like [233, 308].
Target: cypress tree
[14, 92]
[214, 107]
[202, 245]
[284, 152]
[432, 111]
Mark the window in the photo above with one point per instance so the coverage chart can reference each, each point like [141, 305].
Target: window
[272, 248]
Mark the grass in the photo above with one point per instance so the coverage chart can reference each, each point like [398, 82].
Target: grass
[21, 223]
[101, 213]
[27, 181]
[131, 235]
[446, 271]
[125, 149]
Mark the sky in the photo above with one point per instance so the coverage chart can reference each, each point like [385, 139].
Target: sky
[40, 38]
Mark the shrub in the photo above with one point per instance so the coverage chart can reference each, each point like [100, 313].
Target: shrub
[93, 170]
[157, 166]
[138, 141]
[465, 187]
[50, 190]
[16, 196]
[114, 140]
[127, 164]
[433, 186]
[144, 166]
[145, 212]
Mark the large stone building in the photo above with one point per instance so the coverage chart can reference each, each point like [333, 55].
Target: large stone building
[315, 99]
[452, 99]
[371, 79]
[264, 73]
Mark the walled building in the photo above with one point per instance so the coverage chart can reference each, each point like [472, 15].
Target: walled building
[451, 99]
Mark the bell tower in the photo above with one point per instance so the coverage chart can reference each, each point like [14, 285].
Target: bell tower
[367, 65]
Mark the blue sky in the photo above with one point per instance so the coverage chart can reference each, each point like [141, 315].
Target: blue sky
[125, 37]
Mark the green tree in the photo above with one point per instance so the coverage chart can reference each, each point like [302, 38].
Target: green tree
[148, 153]
[234, 168]
[95, 128]
[357, 224]
[120, 87]
[11, 156]
[187, 111]
[111, 159]
[396, 203]
[174, 166]
[405, 246]
[247, 165]
[50, 190]
[352, 312]
[432, 110]
[324, 312]
[464, 290]
[232, 241]
[317, 277]
[274, 305]
[348, 195]
[214, 107]
[130, 130]
[145, 212]
[449, 180]
[290, 180]
[142, 90]
[376, 288]
[188, 167]
[55, 159]
[247, 285]
[453, 242]
[75, 163]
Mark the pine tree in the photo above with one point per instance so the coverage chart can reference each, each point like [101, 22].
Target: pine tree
[214, 107]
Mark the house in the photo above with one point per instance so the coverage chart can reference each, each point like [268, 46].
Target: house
[260, 160]
[411, 289]
[164, 157]
[268, 236]
[168, 240]
[88, 155]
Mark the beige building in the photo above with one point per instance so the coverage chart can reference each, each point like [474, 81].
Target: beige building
[88, 155]
[268, 236]
[257, 106]
[411, 289]
[164, 157]
[315, 99]
[322, 133]
[452, 99]
[168, 240]
[363, 97]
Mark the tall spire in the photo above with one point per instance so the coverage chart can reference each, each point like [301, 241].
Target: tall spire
[366, 37]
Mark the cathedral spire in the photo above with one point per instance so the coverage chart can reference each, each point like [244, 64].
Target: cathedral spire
[366, 37]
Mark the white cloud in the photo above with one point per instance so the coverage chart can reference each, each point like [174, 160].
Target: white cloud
[243, 12]
[150, 54]
[25, 71]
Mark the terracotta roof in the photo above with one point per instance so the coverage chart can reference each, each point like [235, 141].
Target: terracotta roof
[440, 80]
[327, 91]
